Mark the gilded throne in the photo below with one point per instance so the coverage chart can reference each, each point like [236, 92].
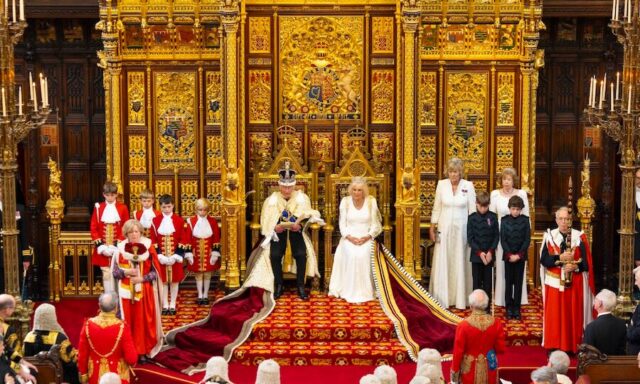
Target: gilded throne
[355, 163]
[266, 181]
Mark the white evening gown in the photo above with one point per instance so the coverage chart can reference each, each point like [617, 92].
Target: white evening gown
[500, 205]
[351, 277]
[450, 281]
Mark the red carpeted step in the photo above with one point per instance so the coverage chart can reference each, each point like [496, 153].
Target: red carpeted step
[319, 353]
[324, 318]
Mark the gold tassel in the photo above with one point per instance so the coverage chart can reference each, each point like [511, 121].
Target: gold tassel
[104, 367]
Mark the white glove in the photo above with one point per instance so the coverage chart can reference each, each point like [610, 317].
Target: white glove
[215, 255]
[162, 259]
[189, 257]
[102, 249]
[177, 258]
[113, 249]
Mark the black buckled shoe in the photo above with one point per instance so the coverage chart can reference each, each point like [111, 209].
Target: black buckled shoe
[172, 311]
[278, 292]
[205, 301]
[165, 311]
[302, 293]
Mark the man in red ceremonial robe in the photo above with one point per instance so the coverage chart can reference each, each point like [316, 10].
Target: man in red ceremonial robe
[146, 215]
[167, 236]
[105, 344]
[478, 338]
[106, 230]
[203, 236]
[135, 269]
[567, 306]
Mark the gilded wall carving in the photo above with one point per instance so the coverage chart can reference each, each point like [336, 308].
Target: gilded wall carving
[427, 198]
[259, 96]
[506, 99]
[427, 95]
[214, 154]
[321, 67]
[260, 150]
[259, 34]
[137, 97]
[135, 187]
[504, 152]
[137, 154]
[175, 120]
[382, 35]
[382, 96]
[321, 146]
[188, 195]
[214, 195]
[382, 150]
[163, 187]
[427, 153]
[466, 133]
[214, 97]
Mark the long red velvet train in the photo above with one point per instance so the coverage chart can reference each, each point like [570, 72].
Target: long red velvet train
[420, 321]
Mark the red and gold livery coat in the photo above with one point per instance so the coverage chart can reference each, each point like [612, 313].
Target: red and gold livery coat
[106, 234]
[105, 346]
[137, 214]
[201, 248]
[169, 245]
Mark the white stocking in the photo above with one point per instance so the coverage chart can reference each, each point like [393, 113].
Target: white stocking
[199, 284]
[174, 295]
[107, 279]
[207, 282]
[165, 296]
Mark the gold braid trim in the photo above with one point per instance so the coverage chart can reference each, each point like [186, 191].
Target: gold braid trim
[68, 354]
[480, 320]
[104, 363]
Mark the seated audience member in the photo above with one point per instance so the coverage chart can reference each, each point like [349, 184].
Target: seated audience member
[370, 379]
[268, 372]
[6, 372]
[559, 361]
[46, 333]
[432, 373]
[217, 371]
[544, 375]
[11, 343]
[430, 356]
[633, 331]
[386, 374]
[607, 333]
[110, 378]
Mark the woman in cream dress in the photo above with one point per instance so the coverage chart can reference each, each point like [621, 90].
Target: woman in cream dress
[455, 199]
[500, 205]
[351, 277]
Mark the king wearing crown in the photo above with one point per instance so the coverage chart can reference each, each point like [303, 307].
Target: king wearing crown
[283, 219]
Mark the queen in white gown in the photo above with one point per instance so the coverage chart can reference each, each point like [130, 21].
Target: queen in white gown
[455, 199]
[360, 223]
[500, 205]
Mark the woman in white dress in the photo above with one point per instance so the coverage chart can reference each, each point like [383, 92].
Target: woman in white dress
[360, 223]
[499, 205]
[455, 199]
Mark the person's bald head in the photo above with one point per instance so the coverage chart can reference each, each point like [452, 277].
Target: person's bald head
[7, 305]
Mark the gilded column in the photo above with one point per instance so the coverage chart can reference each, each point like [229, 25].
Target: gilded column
[55, 213]
[407, 175]
[233, 204]
[111, 80]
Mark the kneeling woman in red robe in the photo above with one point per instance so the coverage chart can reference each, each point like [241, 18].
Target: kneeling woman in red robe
[136, 267]
[479, 338]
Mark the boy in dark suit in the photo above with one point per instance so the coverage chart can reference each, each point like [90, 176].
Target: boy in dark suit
[482, 236]
[515, 236]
